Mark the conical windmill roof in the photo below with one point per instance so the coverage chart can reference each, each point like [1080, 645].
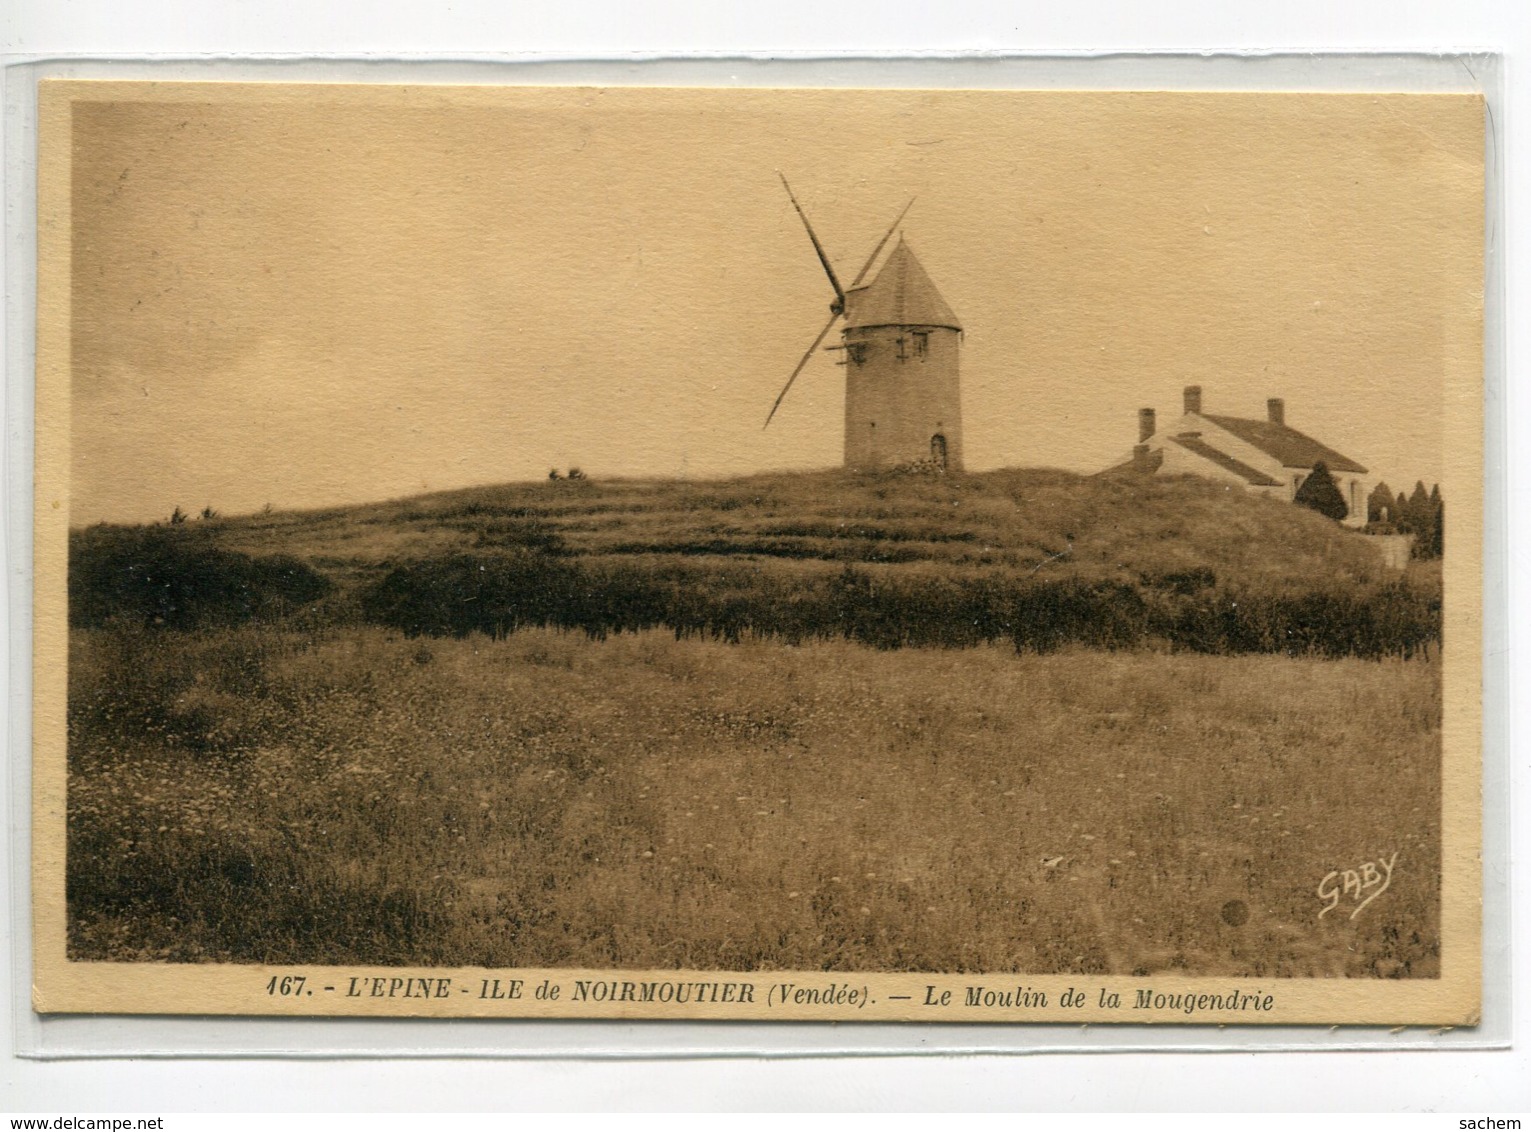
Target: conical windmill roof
[901, 295]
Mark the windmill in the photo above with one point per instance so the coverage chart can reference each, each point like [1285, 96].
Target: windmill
[902, 396]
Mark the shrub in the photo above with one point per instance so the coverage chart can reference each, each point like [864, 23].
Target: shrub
[1391, 619]
[1049, 615]
[178, 578]
[1322, 494]
[497, 594]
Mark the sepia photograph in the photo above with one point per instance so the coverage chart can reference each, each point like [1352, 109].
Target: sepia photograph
[946, 555]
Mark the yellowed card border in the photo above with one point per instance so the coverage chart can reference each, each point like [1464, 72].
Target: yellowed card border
[64, 986]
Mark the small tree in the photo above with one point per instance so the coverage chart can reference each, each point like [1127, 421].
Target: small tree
[1320, 492]
[576, 474]
[1432, 529]
[553, 474]
[1419, 510]
[177, 517]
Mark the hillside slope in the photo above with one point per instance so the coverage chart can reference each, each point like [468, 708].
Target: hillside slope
[1012, 523]
[1042, 559]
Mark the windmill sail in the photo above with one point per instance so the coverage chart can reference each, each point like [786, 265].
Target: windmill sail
[838, 307]
[882, 243]
[818, 247]
[802, 362]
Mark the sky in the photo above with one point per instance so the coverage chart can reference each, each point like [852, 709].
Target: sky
[306, 296]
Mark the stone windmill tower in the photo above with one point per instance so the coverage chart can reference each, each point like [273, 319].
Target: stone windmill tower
[903, 401]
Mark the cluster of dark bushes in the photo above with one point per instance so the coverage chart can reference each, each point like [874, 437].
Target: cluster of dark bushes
[178, 578]
[1420, 513]
[499, 594]
[1387, 619]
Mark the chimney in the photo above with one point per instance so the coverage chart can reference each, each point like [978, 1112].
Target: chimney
[1275, 408]
[1193, 399]
[1145, 424]
[1140, 456]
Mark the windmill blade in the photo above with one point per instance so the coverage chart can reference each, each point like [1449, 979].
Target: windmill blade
[871, 259]
[803, 361]
[818, 247]
[839, 307]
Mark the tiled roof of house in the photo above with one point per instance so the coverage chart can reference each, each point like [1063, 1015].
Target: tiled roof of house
[1291, 447]
[1154, 463]
[1200, 447]
[901, 295]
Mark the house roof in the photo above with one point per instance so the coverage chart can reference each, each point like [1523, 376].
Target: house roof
[901, 295]
[1292, 448]
[1155, 461]
[1193, 443]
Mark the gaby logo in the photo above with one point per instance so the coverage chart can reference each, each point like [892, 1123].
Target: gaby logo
[1363, 885]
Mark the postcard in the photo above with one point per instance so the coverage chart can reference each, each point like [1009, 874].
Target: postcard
[759, 554]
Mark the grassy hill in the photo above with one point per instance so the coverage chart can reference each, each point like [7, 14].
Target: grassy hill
[1039, 557]
[1010, 523]
[279, 753]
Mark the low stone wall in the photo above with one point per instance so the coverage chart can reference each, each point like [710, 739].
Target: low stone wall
[1395, 549]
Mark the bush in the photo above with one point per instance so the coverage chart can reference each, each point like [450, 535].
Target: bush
[1049, 615]
[1391, 619]
[1322, 494]
[177, 578]
[498, 594]
[1185, 609]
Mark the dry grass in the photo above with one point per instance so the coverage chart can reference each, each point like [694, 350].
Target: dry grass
[1008, 523]
[347, 795]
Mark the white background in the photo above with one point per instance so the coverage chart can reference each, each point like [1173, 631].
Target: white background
[1468, 1082]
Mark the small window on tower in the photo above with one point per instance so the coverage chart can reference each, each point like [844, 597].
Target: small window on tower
[857, 352]
[921, 343]
[902, 344]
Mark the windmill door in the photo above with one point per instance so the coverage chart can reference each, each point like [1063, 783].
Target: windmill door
[938, 449]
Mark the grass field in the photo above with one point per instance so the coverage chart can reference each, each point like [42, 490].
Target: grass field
[377, 734]
[346, 794]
